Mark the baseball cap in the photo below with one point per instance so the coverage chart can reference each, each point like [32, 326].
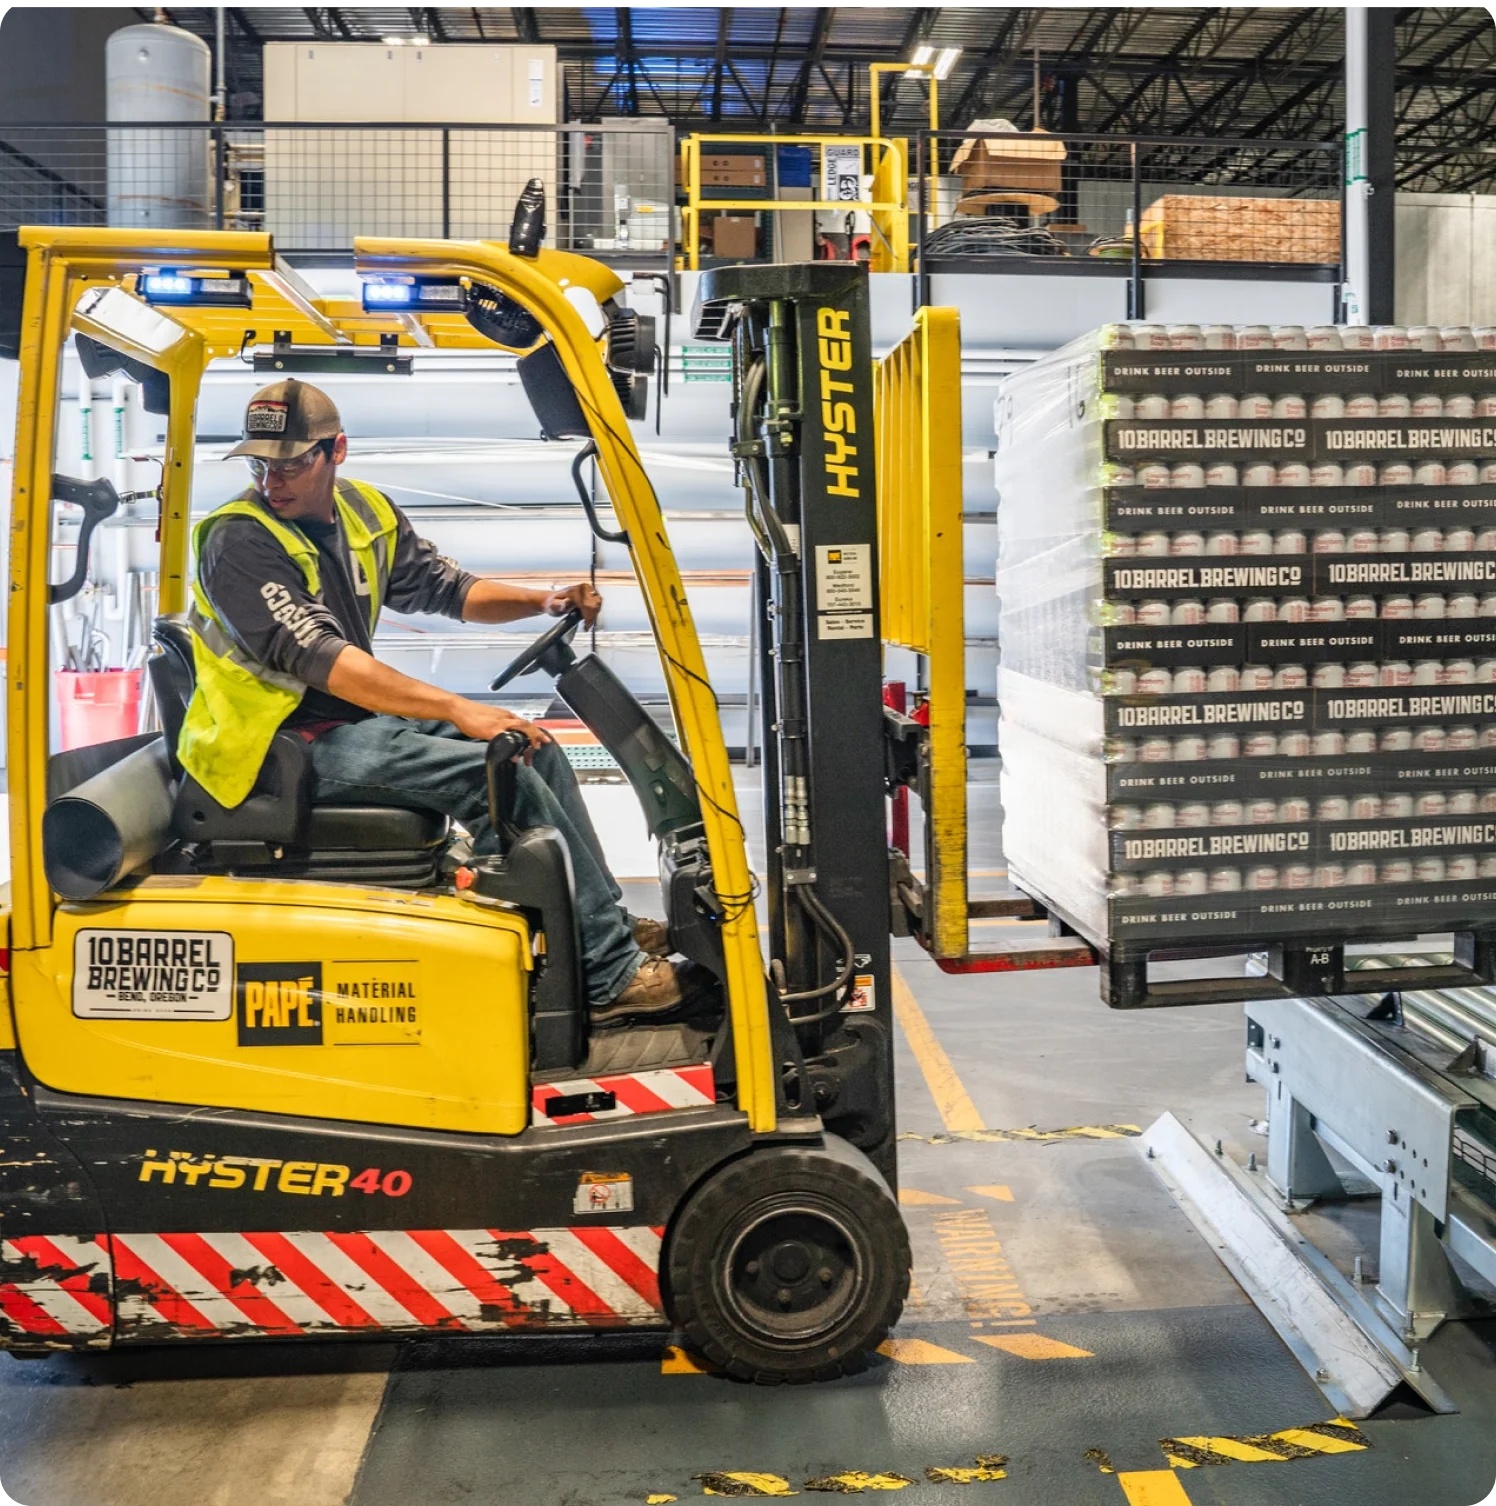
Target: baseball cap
[286, 419]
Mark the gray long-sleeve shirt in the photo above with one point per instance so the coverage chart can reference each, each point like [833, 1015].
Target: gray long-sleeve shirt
[260, 596]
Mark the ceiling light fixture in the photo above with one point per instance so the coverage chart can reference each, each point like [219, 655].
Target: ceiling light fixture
[393, 41]
[920, 61]
[946, 61]
[420, 41]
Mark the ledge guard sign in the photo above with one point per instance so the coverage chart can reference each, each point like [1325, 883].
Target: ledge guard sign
[153, 975]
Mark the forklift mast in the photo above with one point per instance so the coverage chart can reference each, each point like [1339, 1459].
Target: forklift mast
[803, 442]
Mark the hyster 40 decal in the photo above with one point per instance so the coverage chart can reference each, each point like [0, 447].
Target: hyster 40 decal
[266, 1174]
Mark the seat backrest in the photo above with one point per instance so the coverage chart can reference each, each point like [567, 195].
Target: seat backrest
[173, 677]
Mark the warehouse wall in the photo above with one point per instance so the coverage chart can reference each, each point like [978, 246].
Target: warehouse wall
[1446, 258]
[52, 61]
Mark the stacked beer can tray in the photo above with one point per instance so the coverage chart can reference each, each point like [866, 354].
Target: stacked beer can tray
[1247, 678]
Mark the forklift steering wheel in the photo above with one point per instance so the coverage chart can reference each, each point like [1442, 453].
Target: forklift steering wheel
[551, 652]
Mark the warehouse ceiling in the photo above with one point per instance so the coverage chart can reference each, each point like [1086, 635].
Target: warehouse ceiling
[1271, 74]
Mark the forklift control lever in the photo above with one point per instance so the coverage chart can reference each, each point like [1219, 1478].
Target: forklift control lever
[503, 779]
[551, 651]
[99, 500]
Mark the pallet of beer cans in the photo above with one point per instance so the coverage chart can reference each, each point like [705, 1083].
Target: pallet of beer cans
[1247, 582]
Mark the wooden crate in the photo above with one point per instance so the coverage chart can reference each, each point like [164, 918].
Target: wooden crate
[1211, 227]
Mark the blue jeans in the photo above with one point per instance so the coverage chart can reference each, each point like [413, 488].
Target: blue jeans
[388, 760]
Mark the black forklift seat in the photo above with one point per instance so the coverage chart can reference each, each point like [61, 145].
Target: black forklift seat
[278, 829]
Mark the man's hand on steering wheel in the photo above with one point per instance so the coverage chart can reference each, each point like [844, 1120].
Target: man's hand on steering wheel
[476, 720]
[581, 596]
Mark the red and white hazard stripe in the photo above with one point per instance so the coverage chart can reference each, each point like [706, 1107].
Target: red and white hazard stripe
[55, 1287]
[287, 1284]
[634, 1092]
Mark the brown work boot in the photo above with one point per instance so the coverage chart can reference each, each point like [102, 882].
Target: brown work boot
[652, 936]
[658, 988]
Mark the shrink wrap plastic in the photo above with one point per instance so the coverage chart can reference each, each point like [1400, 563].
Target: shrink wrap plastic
[1247, 678]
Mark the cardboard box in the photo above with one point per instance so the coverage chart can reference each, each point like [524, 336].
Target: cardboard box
[1219, 227]
[737, 177]
[735, 236]
[731, 161]
[1030, 161]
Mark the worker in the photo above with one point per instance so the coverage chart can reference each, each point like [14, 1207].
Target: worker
[291, 576]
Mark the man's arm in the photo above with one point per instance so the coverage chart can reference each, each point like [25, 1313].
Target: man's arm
[495, 601]
[359, 677]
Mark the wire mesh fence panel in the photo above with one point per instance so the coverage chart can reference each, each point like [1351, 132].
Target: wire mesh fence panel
[1082, 196]
[609, 190]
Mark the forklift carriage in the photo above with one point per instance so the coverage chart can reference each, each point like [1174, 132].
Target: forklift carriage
[205, 1132]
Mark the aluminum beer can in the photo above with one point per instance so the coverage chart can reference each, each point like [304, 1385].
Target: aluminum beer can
[1327, 405]
[1462, 866]
[1395, 473]
[1154, 614]
[1158, 884]
[1333, 808]
[1389, 337]
[1260, 609]
[1256, 677]
[1292, 473]
[1187, 613]
[1256, 541]
[1360, 740]
[1427, 541]
[1114, 473]
[1357, 874]
[1187, 476]
[1121, 750]
[1254, 337]
[1119, 681]
[1223, 745]
[1397, 608]
[1423, 337]
[1150, 405]
[1429, 803]
[1263, 876]
[1227, 813]
[1293, 745]
[1193, 813]
[1189, 680]
[1462, 803]
[1357, 337]
[1296, 876]
[1259, 745]
[1159, 816]
[1462, 740]
[1189, 749]
[1361, 676]
[1327, 473]
[1457, 672]
[1397, 807]
[1261, 811]
[1125, 886]
[1484, 336]
[1360, 473]
[1254, 405]
[1322, 337]
[1150, 337]
[1428, 473]
[1222, 544]
[1221, 473]
[1187, 405]
[1218, 336]
[1456, 337]
[1329, 875]
[1361, 405]
[1430, 739]
[1428, 871]
[1294, 609]
[1397, 740]
[1427, 405]
[1291, 677]
[1288, 337]
[1459, 405]
[1154, 544]
[1222, 609]
[1190, 881]
[1459, 539]
[1228, 880]
[1485, 672]
[1488, 738]
[1119, 546]
[1185, 337]
[1328, 677]
[1154, 682]
[1427, 671]
[1487, 802]
[1155, 750]
[1153, 475]
[1461, 604]
[1221, 405]
[1290, 405]
[1486, 865]
[1394, 405]
[1464, 473]
[1290, 541]
[1328, 744]
[1360, 608]
[1259, 473]
[1366, 807]
[1363, 541]
[1294, 808]
[1327, 609]
[1428, 608]
[1485, 405]
[1329, 541]
[1395, 674]
[1485, 540]
[1223, 679]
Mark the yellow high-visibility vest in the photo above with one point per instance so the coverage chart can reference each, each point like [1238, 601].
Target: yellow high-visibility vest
[239, 703]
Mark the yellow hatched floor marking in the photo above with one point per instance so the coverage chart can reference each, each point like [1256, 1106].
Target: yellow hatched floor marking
[1153, 1487]
[1340, 1436]
[912, 1197]
[921, 1352]
[1000, 1194]
[1027, 1132]
[957, 1112]
[853, 1482]
[742, 1483]
[678, 1361]
[658, 1500]
[988, 1467]
[1033, 1346]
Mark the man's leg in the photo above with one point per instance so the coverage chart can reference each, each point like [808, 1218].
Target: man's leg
[387, 760]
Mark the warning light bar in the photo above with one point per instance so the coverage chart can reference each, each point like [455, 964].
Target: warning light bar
[189, 289]
[380, 297]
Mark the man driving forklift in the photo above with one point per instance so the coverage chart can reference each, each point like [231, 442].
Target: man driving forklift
[292, 575]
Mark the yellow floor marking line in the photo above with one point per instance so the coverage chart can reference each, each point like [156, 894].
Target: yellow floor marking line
[1001, 1136]
[1033, 1346]
[999, 1193]
[957, 1112]
[912, 1197]
[853, 1482]
[921, 1352]
[974, 1258]
[743, 1483]
[1153, 1487]
[988, 1467]
[678, 1361]
[1338, 1437]
[658, 1500]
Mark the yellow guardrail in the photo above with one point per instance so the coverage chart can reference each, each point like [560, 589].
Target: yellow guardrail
[917, 405]
[888, 208]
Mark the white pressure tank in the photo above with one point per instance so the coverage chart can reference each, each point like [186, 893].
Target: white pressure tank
[158, 180]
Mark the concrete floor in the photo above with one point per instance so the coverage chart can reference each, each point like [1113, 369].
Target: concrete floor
[1120, 1328]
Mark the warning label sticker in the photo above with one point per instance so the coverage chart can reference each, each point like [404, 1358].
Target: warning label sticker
[863, 996]
[604, 1192]
[153, 975]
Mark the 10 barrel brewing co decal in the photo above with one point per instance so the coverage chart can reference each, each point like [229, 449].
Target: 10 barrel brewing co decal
[153, 975]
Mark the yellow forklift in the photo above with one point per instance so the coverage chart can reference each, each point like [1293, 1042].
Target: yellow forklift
[296, 1071]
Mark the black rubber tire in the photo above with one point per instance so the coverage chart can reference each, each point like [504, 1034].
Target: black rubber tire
[819, 1227]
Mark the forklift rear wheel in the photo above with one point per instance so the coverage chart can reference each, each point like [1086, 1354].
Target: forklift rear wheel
[790, 1265]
